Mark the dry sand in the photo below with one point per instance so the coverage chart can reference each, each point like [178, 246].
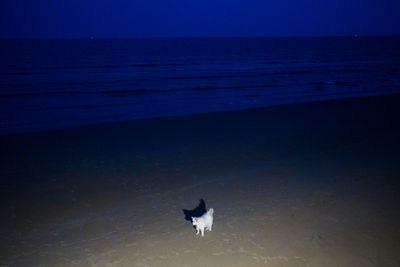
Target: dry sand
[298, 185]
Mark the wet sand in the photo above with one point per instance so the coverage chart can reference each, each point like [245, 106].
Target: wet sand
[311, 184]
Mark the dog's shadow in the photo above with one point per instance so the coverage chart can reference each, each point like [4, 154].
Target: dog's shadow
[196, 212]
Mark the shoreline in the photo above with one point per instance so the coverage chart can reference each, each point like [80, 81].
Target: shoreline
[111, 123]
[305, 184]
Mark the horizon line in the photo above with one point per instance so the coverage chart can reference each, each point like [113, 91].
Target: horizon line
[201, 37]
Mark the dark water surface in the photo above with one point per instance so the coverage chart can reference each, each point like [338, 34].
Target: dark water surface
[50, 84]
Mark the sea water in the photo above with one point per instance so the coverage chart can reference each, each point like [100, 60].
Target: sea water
[57, 83]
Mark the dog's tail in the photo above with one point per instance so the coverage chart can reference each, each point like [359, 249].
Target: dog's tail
[211, 211]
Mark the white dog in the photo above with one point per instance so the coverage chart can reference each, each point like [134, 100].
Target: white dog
[205, 221]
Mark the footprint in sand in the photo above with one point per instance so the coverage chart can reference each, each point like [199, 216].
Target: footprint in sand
[242, 250]
[252, 234]
[176, 253]
[229, 225]
[130, 244]
[274, 258]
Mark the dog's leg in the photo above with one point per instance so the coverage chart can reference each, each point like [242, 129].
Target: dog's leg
[202, 232]
[197, 231]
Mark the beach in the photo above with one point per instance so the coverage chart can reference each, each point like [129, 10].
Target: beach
[306, 184]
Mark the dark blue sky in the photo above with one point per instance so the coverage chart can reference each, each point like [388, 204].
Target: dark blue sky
[155, 18]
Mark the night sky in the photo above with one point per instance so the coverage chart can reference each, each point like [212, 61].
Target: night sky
[188, 18]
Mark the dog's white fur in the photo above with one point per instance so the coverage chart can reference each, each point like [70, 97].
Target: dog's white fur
[205, 221]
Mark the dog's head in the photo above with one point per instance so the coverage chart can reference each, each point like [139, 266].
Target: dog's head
[195, 220]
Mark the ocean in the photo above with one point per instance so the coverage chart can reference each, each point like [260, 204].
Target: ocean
[50, 84]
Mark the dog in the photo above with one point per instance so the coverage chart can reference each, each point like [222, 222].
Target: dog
[205, 221]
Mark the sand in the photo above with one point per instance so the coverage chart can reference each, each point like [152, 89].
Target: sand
[312, 184]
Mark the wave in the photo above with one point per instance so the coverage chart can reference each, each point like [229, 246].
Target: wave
[21, 73]
[152, 65]
[134, 91]
[252, 95]
[32, 94]
[344, 83]
[64, 67]
[113, 66]
[91, 106]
